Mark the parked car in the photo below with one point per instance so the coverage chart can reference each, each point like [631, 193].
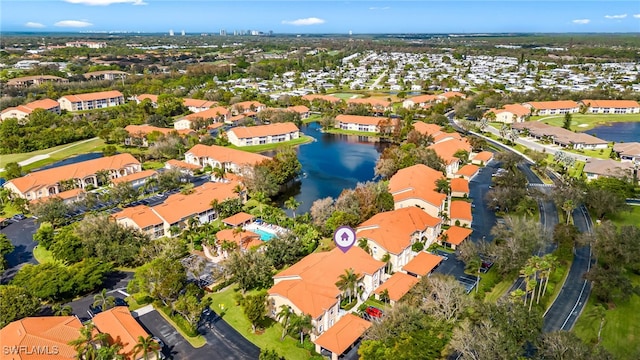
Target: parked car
[18, 217]
[374, 312]
[121, 302]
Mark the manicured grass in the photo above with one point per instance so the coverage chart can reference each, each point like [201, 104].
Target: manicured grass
[600, 154]
[10, 210]
[346, 96]
[69, 150]
[621, 330]
[576, 170]
[270, 338]
[583, 122]
[195, 341]
[631, 217]
[312, 118]
[152, 165]
[326, 244]
[498, 290]
[266, 147]
[43, 255]
[351, 132]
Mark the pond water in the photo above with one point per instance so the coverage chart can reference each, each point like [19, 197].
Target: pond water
[331, 163]
[618, 132]
[72, 160]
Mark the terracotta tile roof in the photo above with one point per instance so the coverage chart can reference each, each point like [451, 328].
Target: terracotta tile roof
[621, 104]
[446, 149]
[512, 108]
[483, 156]
[246, 105]
[215, 126]
[423, 98]
[459, 185]
[179, 206]
[93, 96]
[329, 98]
[208, 114]
[392, 230]
[456, 235]
[427, 129]
[79, 170]
[357, 119]
[451, 94]
[415, 176]
[248, 132]
[144, 130]
[122, 328]
[246, 239]
[65, 195]
[300, 109]
[135, 176]
[198, 103]
[142, 97]
[52, 332]
[343, 334]
[444, 136]
[397, 285]
[43, 104]
[552, 105]
[375, 102]
[141, 215]
[422, 264]
[460, 210]
[310, 284]
[421, 193]
[468, 170]
[173, 163]
[238, 219]
[227, 155]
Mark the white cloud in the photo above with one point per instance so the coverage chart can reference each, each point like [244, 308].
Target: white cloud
[304, 22]
[106, 2]
[581, 21]
[621, 16]
[73, 23]
[35, 25]
[379, 8]
[637, 16]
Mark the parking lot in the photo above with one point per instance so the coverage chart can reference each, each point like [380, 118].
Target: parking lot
[20, 233]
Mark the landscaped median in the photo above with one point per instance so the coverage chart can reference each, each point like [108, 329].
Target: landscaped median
[180, 325]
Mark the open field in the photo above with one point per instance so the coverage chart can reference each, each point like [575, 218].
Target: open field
[583, 122]
[59, 152]
[270, 338]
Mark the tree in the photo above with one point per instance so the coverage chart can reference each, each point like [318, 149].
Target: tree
[52, 211]
[45, 235]
[147, 346]
[62, 310]
[163, 279]
[292, 204]
[564, 345]
[12, 170]
[598, 313]
[103, 300]
[363, 244]
[89, 342]
[6, 248]
[347, 282]
[269, 354]
[190, 305]
[439, 296]
[566, 124]
[515, 241]
[284, 316]
[386, 258]
[255, 308]
[384, 296]
[301, 324]
[250, 270]
[442, 186]
[16, 303]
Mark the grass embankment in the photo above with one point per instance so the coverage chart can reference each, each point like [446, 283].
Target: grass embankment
[351, 132]
[312, 118]
[266, 147]
[621, 329]
[584, 122]
[43, 255]
[59, 152]
[269, 338]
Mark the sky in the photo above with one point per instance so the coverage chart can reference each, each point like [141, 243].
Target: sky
[321, 16]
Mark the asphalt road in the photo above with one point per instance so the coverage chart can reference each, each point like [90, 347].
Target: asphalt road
[21, 235]
[483, 218]
[568, 306]
[223, 342]
[116, 285]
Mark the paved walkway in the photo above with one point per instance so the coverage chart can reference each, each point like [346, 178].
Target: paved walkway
[36, 158]
[375, 83]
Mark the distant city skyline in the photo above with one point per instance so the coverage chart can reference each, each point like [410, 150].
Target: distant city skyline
[328, 16]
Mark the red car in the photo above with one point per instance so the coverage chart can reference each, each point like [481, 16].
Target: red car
[374, 312]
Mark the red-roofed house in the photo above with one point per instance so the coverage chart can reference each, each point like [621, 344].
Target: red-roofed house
[22, 111]
[123, 329]
[420, 101]
[358, 123]
[553, 107]
[309, 286]
[467, 172]
[247, 107]
[217, 114]
[482, 158]
[139, 134]
[137, 179]
[37, 338]
[394, 232]
[415, 186]
[263, 134]
[377, 105]
[342, 335]
[446, 150]
[245, 240]
[460, 213]
[459, 187]
[422, 264]
[300, 109]
[398, 285]
[231, 160]
[611, 106]
[96, 100]
[143, 218]
[510, 113]
[454, 236]
[318, 97]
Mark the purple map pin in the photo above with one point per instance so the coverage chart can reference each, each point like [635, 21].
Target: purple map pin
[344, 237]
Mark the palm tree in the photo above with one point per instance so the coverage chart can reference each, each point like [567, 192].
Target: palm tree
[103, 177]
[61, 310]
[110, 352]
[239, 189]
[442, 186]
[598, 312]
[551, 261]
[103, 300]
[517, 294]
[284, 316]
[301, 324]
[292, 204]
[568, 206]
[384, 296]
[87, 344]
[363, 244]
[386, 258]
[219, 172]
[347, 282]
[261, 198]
[146, 346]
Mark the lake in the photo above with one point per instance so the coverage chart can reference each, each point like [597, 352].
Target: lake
[618, 132]
[72, 160]
[332, 163]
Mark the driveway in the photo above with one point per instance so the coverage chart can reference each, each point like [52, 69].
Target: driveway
[116, 285]
[21, 235]
[483, 217]
[223, 342]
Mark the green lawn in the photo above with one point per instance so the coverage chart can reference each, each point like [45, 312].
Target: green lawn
[266, 147]
[10, 210]
[69, 150]
[600, 154]
[152, 165]
[498, 290]
[312, 118]
[583, 122]
[351, 132]
[270, 338]
[621, 331]
[631, 217]
[43, 255]
[345, 96]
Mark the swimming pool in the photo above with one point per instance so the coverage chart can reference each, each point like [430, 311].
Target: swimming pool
[264, 235]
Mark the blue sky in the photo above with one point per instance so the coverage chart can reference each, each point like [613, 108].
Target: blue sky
[321, 16]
